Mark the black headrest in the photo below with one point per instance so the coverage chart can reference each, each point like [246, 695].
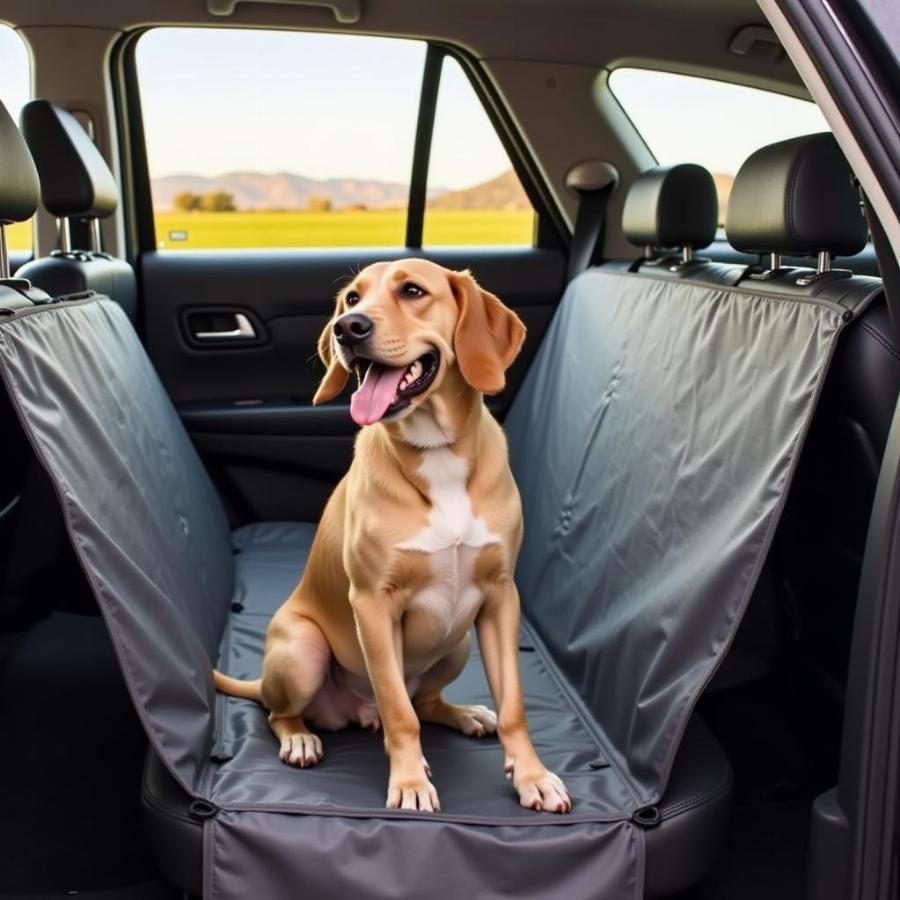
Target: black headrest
[796, 197]
[75, 180]
[19, 188]
[672, 206]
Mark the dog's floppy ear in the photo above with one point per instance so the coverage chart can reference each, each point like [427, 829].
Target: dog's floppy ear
[488, 335]
[335, 376]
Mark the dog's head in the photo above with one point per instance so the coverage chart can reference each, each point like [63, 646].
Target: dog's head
[401, 328]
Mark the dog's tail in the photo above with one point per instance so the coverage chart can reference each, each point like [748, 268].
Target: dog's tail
[246, 690]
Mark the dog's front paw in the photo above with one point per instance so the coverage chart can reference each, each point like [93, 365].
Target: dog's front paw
[413, 791]
[539, 789]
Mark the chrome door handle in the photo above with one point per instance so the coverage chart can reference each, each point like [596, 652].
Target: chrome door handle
[244, 331]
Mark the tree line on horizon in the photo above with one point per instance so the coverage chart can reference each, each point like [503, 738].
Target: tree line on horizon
[223, 201]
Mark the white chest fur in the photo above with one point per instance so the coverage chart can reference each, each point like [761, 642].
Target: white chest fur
[452, 538]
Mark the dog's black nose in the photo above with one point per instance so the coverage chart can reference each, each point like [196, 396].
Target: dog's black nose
[352, 328]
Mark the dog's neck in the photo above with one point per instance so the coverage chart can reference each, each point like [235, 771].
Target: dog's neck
[449, 419]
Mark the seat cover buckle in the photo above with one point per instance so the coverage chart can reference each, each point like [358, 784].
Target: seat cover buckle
[647, 817]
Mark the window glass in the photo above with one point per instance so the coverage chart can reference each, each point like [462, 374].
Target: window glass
[278, 139]
[474, 196]
[718, 125]
[15, 91]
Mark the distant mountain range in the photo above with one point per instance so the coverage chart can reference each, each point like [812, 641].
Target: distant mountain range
[503, 192]
[282, 190]
[285, 190]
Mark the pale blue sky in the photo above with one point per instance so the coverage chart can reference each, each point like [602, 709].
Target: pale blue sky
[219, 100]
[15, 72]
[714, 124]
[325, 106]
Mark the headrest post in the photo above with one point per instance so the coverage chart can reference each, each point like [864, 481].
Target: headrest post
[648, 252]
[4, 253]
[824, 263]
[774, 262]
[687, 254]
[96, 237]
[63, 235]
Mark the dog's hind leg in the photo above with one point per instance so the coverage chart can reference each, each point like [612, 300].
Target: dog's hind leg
[295, 668]
[430, 706]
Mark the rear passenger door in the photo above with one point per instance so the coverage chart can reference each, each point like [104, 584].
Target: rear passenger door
[268, 168]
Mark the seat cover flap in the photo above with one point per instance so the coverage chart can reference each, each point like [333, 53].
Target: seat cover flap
[653, 442]
[143, 515]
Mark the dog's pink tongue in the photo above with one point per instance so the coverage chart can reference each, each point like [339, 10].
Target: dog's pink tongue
[370, 402]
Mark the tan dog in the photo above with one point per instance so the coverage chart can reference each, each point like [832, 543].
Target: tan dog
[418, 541]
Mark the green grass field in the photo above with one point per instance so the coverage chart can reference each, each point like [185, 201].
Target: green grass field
[350, 228]
[341, 228]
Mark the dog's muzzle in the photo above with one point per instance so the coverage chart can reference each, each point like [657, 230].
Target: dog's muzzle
[352, 329]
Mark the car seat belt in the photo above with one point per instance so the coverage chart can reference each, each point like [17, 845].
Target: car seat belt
[594, 182]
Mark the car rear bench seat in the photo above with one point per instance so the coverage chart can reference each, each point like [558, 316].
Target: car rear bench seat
[810, 580]
[654, 441]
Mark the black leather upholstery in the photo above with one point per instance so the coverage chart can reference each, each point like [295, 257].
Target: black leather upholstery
[672, 206]
[75, 179]
[820, 542]
[796, 197]
[704, 270]
[19, 188]
[76, 273]
[19, 191]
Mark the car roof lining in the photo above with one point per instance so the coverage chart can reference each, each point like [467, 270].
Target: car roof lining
[692, 37]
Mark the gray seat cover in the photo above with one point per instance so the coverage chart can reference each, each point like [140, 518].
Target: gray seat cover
[653, 442]
[655, 453]
[143, 516]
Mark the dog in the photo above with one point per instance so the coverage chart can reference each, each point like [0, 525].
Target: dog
[417, 542]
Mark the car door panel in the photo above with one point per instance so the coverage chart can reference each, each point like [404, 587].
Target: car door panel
[247, 405]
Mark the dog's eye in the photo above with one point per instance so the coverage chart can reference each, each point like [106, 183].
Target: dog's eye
[411, 291]
[352, 298]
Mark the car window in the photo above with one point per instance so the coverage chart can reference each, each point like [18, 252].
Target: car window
[15, 91]
[683, 118]
[474, 195]
[278, 139]
[288, 139]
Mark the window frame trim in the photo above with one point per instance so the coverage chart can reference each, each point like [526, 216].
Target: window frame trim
[551, 231]
[432, 71]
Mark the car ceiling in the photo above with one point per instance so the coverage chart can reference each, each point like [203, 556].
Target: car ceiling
[690, 36]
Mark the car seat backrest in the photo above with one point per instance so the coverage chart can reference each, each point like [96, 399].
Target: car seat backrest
[654, 441]
[798, 197]
[19, 193]
[142, 512]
